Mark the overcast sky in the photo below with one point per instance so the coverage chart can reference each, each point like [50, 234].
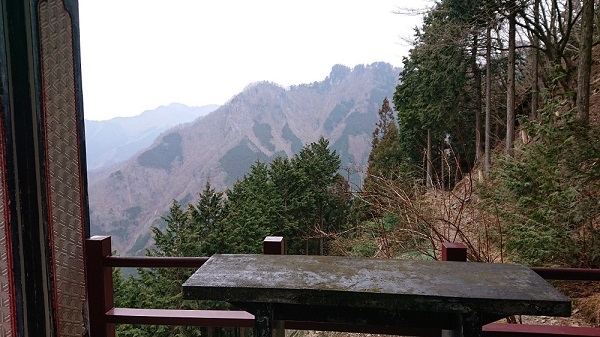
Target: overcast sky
[140, 54]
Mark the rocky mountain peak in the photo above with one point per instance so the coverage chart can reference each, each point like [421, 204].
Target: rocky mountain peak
[262, 122]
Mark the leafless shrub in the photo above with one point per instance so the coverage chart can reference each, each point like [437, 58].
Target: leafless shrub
[425, 218]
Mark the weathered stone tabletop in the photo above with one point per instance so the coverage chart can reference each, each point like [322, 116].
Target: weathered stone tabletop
[459, 296]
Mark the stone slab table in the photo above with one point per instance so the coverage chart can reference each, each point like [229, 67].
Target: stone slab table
[456, 296]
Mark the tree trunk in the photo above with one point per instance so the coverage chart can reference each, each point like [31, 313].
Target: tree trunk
[535, 85]
[322, 229]
[510, 82]
[535, 56]
[442, 163]
[488, 97]
[429, 181]
[478, 136]
[585, 62]
[477, 75]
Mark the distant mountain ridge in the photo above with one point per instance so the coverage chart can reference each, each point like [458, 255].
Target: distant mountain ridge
[112, 141]
[265, 120]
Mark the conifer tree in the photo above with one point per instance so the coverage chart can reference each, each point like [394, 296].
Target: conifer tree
[252, 211]
[207, 215]
[434, 100]
[191, 231]
[385, 161]
[318, 168]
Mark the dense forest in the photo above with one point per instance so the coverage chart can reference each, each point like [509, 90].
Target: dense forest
[491, 139]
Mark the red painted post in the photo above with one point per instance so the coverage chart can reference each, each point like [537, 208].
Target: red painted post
[274, 245]
[100, 285]
[454, 251]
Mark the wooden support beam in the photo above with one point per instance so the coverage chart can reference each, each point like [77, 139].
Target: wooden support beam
[203, 318]
[531, 330]
[274, 245]
[454, 251]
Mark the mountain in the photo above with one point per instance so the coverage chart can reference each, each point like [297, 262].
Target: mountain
[265, 120]
[115, 140]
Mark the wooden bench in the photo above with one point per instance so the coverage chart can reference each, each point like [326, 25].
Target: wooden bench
[243, 319]
[204, 318]
[533, 330]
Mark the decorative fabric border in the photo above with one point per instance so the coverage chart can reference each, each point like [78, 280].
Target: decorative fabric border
[63, 167]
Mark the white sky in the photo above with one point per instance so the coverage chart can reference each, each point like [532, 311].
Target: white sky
[140, 54]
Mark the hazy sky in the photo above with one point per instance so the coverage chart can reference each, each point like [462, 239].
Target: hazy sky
[140, 54]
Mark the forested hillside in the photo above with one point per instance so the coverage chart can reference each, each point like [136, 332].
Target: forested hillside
[263, 122]
[495, 100]
[492, 140]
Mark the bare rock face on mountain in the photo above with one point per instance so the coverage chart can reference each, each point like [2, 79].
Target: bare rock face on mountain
[262, 122]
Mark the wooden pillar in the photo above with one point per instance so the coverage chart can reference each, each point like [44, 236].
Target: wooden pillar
[100, 285]
[274, 245]
[43, 187]
[265, 325]
[454, 251]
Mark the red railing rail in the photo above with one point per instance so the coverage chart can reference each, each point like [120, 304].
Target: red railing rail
[458, 252]
[568, 274]
[452, 251]
[104, 316]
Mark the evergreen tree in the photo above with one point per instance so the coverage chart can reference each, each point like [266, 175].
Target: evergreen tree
[385, 160]
[291, 185]
[314, 196]
[385, 157]
[317, 170]
[207, 217]
[180, 236]
[435, 109]
[547, 196]
[189, 232]
[252, 211]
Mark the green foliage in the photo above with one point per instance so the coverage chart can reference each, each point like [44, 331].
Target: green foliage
[386, 163]
[337, 115]
[188, 232]
[438, 90]
[132, 212]
[262, 131]
[317, 169]
[548, 196]
[252, 211]
[163, 155]
[385, 158]
[288, 134]
[237, 160]
[301, 199]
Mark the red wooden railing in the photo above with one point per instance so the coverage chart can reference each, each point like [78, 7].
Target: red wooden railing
[458, 252]
[104, 316]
